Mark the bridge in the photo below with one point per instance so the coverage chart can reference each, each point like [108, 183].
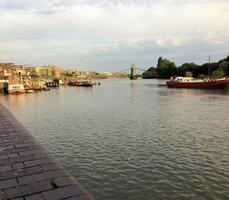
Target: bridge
[133, 71]
[28, 171]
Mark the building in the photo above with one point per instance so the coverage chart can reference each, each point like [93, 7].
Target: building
[49, 71]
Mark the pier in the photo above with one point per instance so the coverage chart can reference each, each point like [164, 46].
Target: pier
[28, 171]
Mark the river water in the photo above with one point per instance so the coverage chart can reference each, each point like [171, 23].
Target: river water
[134, 140]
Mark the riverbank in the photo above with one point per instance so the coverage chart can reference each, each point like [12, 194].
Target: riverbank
[27, 170]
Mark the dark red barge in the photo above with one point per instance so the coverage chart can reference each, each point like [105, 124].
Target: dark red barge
[188, 82]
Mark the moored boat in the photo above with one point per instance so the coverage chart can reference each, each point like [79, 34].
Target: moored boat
[45, 88]
[15, 88]
[29, 91]
[81, 83]
[188, 82]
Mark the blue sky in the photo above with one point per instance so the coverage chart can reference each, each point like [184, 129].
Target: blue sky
[110, 35]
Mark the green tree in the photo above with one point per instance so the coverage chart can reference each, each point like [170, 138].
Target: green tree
[166, 68]
[223, 66]
[159, 61]
[150, 73]
[217, 73]
[191, 67]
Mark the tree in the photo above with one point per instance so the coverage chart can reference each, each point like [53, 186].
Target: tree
[191, 67]
[217, 73]
[227, 58]
[159, 61]
[223, 66]
[166, 68]
[150, 73]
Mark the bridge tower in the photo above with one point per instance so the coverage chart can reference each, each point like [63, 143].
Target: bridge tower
[133, 74]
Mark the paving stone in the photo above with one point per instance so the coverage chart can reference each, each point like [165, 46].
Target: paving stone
[6, 146]
[35, 146]
[18, 166]
[5, 162]
[50, 174]
[49, 167]
[13, 150]
[12, 141]
[8, 183]
[24, 145]
[21, 159]
[11, 137]
[13, 155]
[31, 152]
[27, 190]
[81, 197]
[41, 176]
[29, 140]
[64, 181]
[4, 156]
[21, 172]
[63, 192]
[38, 162]
[5, 168]
[40, 155]
[35, 197]
[26, 180]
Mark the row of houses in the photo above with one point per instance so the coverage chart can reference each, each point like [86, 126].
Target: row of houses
[29, 78]
[48, 71]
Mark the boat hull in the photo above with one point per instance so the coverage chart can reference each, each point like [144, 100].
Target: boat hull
[29, 91]
[81, 83]
[16, 91]
[210, 84]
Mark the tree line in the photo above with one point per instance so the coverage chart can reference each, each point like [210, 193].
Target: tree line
[166, 68]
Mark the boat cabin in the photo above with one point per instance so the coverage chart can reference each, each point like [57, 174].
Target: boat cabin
[183, 79]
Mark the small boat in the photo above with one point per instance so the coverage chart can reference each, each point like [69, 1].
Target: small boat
[81, 83]
[52, 83]
[29, 91]
[189, 82]
[45, 88]
[15, 88]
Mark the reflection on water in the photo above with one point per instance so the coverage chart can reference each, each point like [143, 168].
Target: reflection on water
[135, 139]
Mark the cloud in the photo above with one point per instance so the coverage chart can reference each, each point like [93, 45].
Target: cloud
[49, 4]
[107, 35]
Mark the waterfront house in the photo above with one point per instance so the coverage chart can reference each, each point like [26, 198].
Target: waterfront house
[33, 84]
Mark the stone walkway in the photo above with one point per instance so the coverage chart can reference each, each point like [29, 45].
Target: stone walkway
[28, 171]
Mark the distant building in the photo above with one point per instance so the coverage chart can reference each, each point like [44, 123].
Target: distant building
[49, 71]
[57, 72]
[77, 73]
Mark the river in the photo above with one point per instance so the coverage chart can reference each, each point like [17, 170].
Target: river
[134, 140]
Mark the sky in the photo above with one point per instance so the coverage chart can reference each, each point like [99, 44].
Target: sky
[110, 35]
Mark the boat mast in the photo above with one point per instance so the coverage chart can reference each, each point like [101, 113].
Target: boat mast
[209, 65]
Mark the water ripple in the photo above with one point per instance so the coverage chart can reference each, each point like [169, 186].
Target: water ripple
[131, 140]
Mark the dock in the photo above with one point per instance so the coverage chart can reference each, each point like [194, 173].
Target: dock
[28, 171]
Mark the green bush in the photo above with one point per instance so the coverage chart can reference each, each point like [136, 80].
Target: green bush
[188, 74]
[217, 73]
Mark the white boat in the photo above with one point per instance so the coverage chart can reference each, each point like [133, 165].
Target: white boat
[29, 91]
[15, 88]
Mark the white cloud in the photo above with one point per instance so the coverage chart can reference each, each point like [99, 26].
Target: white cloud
[111, 33]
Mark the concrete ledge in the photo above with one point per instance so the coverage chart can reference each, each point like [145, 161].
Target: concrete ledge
[27, 170]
